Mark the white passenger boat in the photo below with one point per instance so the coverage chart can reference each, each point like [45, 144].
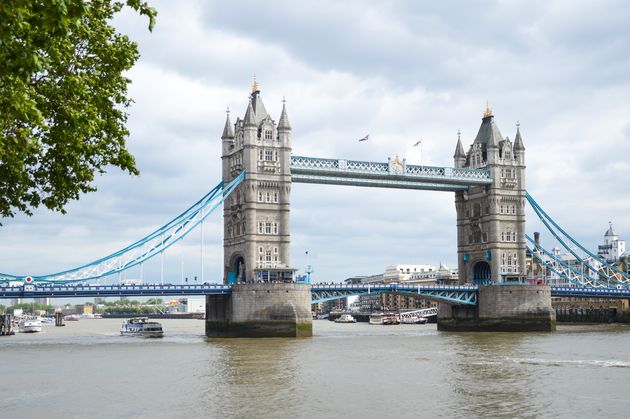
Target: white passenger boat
[384, 318]
[142, 326]
[345, 318]
[30, 325]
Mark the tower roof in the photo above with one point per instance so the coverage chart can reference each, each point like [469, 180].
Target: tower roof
[518, 141]
[283, 123]
[260, 112]
[610, 231]
[489, 134]
[228, 131]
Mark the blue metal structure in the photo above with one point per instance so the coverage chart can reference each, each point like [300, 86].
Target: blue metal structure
[453, 294]
[393, 174]
[147, 247]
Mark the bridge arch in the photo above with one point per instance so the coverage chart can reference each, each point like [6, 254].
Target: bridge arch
[482, 272]
[236, 269]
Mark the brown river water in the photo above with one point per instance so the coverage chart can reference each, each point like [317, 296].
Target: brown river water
[86, 370]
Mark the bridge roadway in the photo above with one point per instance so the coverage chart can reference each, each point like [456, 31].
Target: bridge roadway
[456, 294]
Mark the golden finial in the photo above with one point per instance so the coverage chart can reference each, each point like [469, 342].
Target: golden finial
[255, 87]
[488, 111]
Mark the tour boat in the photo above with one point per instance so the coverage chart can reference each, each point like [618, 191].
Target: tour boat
[30, 325]
[72, 318]
[141, 326]
[345, 318]
[384, 318]
[414, 320]
[376, 318]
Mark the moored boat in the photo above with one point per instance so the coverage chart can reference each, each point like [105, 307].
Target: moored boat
[72, 318]
[384, 318]
[141, 326]
[345, 318]
[30, 325]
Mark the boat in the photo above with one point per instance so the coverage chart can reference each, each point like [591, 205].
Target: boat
[390, 318]
[345, 318]
[30, 325]
[414, 320]
[376, 318]
[141, 326]
[384, 318]
[72, 318]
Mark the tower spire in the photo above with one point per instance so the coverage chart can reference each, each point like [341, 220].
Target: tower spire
[255, 86]
[283, 123]
[228, 131]
[249, 118]
[518, 141]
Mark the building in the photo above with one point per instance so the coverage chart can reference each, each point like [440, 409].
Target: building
[491, 218]
[256, 215]
[613, 247]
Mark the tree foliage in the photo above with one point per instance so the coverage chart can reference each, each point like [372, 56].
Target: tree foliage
[63, 96]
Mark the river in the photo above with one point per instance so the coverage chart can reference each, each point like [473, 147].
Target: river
[86, 370]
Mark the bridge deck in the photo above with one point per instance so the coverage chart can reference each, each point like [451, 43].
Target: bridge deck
[385, 175]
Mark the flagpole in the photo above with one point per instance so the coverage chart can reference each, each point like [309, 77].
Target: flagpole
[420, 154]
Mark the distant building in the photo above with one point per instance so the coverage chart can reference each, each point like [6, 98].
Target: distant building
[613, 247]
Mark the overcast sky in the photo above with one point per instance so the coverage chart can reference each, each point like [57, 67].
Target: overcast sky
[400, 71]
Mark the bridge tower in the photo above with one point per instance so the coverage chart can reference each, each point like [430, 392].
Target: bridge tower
[265, 302]
[491, 218]
[491, 241]
[256, 216]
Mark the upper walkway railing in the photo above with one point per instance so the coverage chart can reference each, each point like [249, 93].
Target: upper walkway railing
[393, 174]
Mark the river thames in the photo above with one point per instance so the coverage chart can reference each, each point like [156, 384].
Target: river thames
[345, 371]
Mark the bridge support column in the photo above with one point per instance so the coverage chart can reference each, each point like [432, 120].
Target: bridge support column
[261, 310]
[502, 308]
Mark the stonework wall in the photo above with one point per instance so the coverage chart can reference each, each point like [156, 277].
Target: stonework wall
[261, 310]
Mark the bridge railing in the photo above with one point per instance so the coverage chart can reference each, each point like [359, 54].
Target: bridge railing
[301, 164]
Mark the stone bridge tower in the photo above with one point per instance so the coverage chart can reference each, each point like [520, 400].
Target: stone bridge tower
[256, 216]
[491, 218]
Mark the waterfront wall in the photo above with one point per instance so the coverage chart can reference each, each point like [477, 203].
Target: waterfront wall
[261, 310]
[502, 308]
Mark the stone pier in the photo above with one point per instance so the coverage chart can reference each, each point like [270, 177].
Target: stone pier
[502, 308]
[261, 310]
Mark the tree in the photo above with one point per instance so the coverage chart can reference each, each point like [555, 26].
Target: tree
[63, 97]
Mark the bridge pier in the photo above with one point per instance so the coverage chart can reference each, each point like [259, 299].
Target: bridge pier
[502, 308]
[261, 310]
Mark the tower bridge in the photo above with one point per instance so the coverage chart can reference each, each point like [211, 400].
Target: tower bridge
[258, 297]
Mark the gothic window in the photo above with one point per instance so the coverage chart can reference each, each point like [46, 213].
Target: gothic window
[275, 197]
[260, 196]
[509, 260]
[275, 228]
[501, 209]
[260, 154]
[268, 134]
[268, 228]
[485, 237]
[269, 155]
[513, 236]
[267, 197]
[268, 256]
[513, 209]
[275, 155]
[261, 228]
[275, 250]
[503, 259]
[502, 236]
[476, 210]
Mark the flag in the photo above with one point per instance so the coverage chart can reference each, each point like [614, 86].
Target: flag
[417, 143]
[365, 138]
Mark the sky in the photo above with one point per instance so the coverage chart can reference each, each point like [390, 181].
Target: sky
[398, 70]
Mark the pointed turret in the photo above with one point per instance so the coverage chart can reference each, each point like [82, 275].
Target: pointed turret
[518, 141]
[249, 118]
[284, 124]
[228, 130]
[460, 154]
[489, 134]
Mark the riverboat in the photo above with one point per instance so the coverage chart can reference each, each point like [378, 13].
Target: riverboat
[384, 318]
[30, 325]
[414, 320]
[72, 318]
[345, 318]
[141, 326]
